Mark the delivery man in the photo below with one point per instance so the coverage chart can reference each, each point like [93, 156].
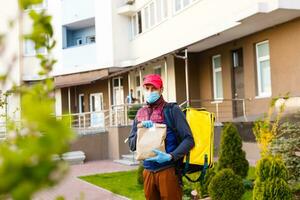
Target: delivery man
[160, 178]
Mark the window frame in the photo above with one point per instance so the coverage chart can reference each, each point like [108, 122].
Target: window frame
[34, 52]
[90, 38]
[146, 17]
[156, 68]
[182, 7]
[258, 70]
[214, 70]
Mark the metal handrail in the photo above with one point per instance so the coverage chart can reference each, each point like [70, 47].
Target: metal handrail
[217, 103]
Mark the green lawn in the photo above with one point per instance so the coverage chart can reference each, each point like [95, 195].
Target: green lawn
[125, 183]
[122, 183]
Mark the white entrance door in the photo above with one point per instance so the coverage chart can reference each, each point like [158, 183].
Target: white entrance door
[118, 99]
[118, 93]
[96, 106]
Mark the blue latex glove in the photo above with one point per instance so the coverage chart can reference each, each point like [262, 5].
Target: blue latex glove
[160, 157]
[147, 124]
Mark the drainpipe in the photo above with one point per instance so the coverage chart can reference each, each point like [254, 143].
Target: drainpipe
[185, 57]
[166, 78]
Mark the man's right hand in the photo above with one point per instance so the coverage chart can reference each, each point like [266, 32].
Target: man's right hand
[147, 124]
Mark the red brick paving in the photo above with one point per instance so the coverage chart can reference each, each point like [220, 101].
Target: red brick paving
[73, 188]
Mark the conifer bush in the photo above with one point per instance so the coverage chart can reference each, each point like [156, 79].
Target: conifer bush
[231, 154]
[226, 185]
[271, 181]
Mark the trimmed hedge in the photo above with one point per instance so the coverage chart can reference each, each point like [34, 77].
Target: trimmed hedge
[132, 111]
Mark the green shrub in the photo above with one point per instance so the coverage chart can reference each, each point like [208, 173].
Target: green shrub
[271, 167]
[270, 183]
[287, 145]
[231, 154]
[188, 186]
[131, 113]
[275, 189]
[140, 178]
[226, 185]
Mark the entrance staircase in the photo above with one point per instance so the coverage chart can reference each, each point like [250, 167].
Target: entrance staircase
[128, 159]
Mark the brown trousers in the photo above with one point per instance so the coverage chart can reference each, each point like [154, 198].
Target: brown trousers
[162, 185]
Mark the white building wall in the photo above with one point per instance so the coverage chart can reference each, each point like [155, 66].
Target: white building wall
[121, 36]
[76, 10]
[200, 20]
[104, 34]
[11, 50]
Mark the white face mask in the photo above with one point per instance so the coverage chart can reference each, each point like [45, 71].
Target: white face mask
[146, 94]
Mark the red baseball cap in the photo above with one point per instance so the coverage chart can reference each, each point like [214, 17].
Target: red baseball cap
[153, 79]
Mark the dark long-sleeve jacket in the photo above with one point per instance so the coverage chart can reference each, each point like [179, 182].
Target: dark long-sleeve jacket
[181, 131]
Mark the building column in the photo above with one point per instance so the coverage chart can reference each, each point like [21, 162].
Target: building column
[166, 78]
[58, 102]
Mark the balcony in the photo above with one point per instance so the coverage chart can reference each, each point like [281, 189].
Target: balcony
[80, 57]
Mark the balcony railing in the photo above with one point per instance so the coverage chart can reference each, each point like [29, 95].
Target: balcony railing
[2, 130]
[225, 110]
[88, 122]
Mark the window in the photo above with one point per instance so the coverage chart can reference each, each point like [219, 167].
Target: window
[263, 69]
[138, 88]
[139, 17]
[161, 10]
[146, 17]
[157, 70]
[29, 49]
[90, 39]
[134, 25]
[116, 82]
[217, 77]
[235, 59]
[165, 8]
[180, 4]
[118, 93]
[81, 103]
[151, 14]
[79, 41]
[137, 81]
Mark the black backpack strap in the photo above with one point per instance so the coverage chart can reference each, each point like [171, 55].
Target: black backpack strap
[170, 123]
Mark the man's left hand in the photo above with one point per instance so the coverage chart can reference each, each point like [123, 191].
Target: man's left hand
[160, 157]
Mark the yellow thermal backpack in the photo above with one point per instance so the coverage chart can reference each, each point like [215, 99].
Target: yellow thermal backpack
[200, 158]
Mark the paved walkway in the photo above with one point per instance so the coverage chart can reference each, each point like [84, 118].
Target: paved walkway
[73, 188]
